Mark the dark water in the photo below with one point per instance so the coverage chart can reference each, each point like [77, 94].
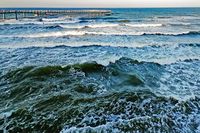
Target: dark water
[137, 70]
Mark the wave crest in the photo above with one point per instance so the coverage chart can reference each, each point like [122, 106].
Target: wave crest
[82, 33]
[144, 25]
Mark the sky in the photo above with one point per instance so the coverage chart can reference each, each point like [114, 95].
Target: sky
[99, 3]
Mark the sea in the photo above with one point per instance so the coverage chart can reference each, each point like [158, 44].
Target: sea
[136, 70]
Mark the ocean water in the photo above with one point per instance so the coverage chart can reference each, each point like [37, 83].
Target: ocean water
[136, 70]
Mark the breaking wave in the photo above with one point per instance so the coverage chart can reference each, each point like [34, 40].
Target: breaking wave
[89, 26]
[56, 19]
[90, 97]
[144, 25]
[111, 25]
[175, 34]
[180, 24]
[82, 33]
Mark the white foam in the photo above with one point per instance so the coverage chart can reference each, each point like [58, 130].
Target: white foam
[114, 33]
[47, 34]
[102, 25]
[55, 19]
[111, 25]
[72, 26]
[36, 21]
[5, 115]
[89, 26]
[69, 33]
[183, 24]
[57, 34]
[144, 25]
[107, 127]
[98, 129]
[82, 33]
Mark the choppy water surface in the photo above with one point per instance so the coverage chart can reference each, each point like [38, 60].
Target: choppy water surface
[137, 70]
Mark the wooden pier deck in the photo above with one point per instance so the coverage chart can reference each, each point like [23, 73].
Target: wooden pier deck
[16, 13]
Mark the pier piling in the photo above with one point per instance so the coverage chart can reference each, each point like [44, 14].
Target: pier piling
[4, 17]
[16, 15]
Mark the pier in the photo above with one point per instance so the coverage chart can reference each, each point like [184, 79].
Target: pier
[17, 14]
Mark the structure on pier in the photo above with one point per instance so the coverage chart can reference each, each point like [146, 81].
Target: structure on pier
[6, 14]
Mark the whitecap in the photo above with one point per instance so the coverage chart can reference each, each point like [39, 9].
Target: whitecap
[55, 19]
[82, 33]
[57, 34]
[72, 26]
[144, 25]
[102, 25]
[89, 26]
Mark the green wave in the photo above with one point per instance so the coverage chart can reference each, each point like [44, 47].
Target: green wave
[52, 98]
